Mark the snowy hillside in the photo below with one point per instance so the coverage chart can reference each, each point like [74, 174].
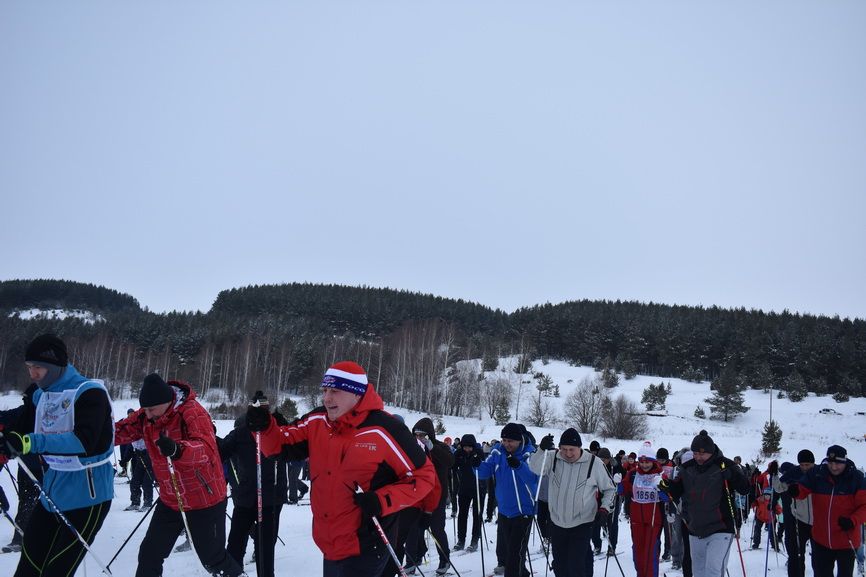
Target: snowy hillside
[87, 317]
[802, 424]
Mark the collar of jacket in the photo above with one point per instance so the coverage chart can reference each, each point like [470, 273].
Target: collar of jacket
[371, 401]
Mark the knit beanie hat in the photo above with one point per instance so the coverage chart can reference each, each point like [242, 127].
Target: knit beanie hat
[571, 438]
[154, 391]
[837, 454]
[703, 442]
[662, 453]
[513, 431]
[346, 376]
[805, 456]
[594, 446]
[47, 349]
[646, 452]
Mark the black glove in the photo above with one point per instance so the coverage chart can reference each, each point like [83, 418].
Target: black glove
[793, 490]
[602, 516]
[513, 461]
[846, 523]
[4, 502]
[476, 460]
[167, 446]
[546, 443]
[664, 486]
[368, 503]
[773, 468]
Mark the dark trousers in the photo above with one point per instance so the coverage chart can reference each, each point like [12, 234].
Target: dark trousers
[491, 497]
[28, 497]
[398, 532]
[368, 563]
[572, 556]
[543, 518]
[824, 560]
[797, 534]
[687, 550]
[613, 522]
[243, 524]
[469, 501]
[514, 532]
[50, 548]
[207, 529]
[416, 546]
[141, 479]
[295, 484]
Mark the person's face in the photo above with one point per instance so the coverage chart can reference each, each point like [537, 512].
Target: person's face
[645, 465]
[606, 461]
[570, 453]
[836, 468]
[36, 372]
[156, 411]
[805, 467]
[467, 449]
[701, 457]
[662, 462]
[630, 461]
[338, 402]
[421, 436]
[510, 445]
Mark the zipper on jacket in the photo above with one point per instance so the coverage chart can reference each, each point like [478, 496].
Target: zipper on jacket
[90, 484]
[829, 526]
[203, 482]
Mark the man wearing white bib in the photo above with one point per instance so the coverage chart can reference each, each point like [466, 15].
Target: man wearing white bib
[69, 423]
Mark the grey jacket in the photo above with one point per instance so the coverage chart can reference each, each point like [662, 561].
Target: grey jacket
[573, 488]
[801, 508]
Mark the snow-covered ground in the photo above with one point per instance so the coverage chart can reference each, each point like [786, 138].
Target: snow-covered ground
[802, 424]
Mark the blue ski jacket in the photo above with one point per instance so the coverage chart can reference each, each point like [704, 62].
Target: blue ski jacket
[515, 488]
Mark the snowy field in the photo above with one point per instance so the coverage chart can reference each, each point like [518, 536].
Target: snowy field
[802, 424]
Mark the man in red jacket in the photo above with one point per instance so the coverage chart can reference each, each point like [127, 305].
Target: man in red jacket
[838, 492]
[363, 463]
[175, 426]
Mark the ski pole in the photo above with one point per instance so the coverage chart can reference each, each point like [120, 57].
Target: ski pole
[259, 515]
[535, 502]
[62, 517]
[384, 538]
[736, 529]
[443, 551]
[8, 516]
[131, 534]
[478, 518]
[11, 476]
[180, 508]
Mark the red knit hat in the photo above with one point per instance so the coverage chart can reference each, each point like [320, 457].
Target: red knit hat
[346, 376]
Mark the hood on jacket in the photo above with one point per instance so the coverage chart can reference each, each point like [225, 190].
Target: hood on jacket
[425, 425]
[468, 441]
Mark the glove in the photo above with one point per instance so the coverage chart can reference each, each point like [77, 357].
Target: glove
[513, 461]
[773, 468]
[428, 444]
[15, 444]
[603, 516]
[476, 460]
[664, 486]
[617, 478]
[793, 491]
[368, 503]
[726, 473]
[4, 502]
[846, 523]
[167, 446]
[258, 417]
[546, 443]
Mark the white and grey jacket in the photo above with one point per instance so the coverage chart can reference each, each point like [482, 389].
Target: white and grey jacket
[801, 508]
[574, 487]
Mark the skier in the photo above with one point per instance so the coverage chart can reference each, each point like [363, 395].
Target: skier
[705, 486]
[192, 488]
[800, 517]
[838, 493]
[646, 513]
[515, 491]
[69, 424]
[615, 472]
[470, 491]
[576, 479]
[764, 518]
[141, 477]
[365, 463]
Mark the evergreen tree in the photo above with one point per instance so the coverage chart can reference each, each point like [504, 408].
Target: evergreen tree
[841, 397]
[609, 378]
[771, 439]
[727, 401]
[796, 386]
[700, 413]
[502, 416]
[655, 397]
[440, 427]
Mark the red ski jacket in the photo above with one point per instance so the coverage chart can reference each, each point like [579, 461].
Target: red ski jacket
[366, 447]
[198, 468]
[834, 497]
[645, 506]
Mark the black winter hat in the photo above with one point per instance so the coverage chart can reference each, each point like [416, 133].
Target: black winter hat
[594, 446]
[468, 441]
[48, 349]
[513, 431]
[571, 438]
[662, 453]
[805, 456]
[703, 442]
[837, 454]
[604, 453]
[425, 425]
[154, 391]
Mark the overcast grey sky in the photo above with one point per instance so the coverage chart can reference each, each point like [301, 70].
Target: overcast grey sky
[510, 153]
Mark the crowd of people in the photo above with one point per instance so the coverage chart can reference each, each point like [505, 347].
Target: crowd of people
[380, 491]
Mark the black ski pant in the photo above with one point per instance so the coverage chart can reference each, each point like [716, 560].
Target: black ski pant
[369, 563]
[514, 532]
[50, 548]
[416, 546]
[207, 529]
[141, 479]
[295, 484]
[244, 524]
[797, 534]
[398, 533]
[28, 497]
[572, 556]
[469, 501]
[491, 497]
[824, 560]
[543, 518]
[687, 550]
